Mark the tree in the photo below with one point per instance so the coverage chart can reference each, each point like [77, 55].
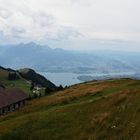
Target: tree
[12, 76]
[2, 86]
[39, 94]
[47, 90]
[60, 88]
[32, 86]
[30, 97]
[35, 95]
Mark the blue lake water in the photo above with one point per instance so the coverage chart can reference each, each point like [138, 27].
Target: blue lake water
[71, 78]
[62, 78]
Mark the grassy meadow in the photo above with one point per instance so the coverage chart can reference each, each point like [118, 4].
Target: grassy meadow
[102, 110]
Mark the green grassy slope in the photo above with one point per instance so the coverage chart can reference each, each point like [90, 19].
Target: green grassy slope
[21, 83]
[105, 110]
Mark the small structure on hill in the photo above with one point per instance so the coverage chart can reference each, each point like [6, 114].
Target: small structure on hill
[11, 100]
[38, 87]
[37, 90]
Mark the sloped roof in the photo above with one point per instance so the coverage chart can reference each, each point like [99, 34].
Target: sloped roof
[8, 97]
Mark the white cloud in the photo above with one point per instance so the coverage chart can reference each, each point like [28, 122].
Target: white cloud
[45, 20]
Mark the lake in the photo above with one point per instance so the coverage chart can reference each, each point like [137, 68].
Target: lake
[71, 78]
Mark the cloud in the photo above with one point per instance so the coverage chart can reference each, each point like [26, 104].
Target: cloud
[69, 20]
[23, 22]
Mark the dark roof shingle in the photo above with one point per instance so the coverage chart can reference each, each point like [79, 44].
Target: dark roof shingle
[8, 97]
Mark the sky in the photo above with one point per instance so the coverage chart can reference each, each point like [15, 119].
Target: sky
[72, 24]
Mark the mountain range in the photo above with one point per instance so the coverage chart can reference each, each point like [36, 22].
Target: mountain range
[43, 58]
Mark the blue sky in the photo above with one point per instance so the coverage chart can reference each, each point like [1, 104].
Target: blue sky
[72, 24]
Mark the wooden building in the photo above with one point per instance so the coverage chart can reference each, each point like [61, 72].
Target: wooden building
[11, 100]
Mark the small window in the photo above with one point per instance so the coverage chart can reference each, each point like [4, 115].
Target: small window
[3, 111]
[14, 106]
[8, 108]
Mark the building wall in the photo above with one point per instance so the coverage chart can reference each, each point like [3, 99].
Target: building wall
[0, 111]
[12, 107]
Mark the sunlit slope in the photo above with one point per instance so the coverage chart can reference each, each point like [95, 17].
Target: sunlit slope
[105, 110]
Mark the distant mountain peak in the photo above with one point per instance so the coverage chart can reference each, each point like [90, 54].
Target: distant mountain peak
[29, 44]
[32, 44]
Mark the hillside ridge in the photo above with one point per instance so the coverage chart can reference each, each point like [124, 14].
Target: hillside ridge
[29, 75]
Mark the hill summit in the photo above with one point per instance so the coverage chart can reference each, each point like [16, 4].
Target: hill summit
[31, 75]
[22, 79]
